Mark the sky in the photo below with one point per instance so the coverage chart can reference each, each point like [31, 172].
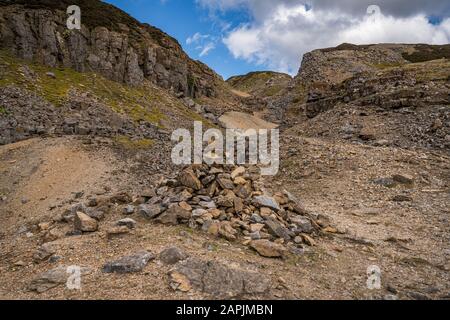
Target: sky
[238, 36]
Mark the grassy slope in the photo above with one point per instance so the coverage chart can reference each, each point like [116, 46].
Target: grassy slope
[256, 83]
[146, 103]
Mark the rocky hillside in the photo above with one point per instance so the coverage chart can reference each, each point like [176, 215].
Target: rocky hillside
[110, 43]
[260, 83]
[388, 94]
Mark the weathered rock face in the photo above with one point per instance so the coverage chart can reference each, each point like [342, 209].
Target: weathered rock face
[110, 43]
[217, 279]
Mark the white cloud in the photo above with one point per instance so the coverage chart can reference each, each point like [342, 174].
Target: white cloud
[277, 38]
[207, 48]
[204, 43]
[196, 38]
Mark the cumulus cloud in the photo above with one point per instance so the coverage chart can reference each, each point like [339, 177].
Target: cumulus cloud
[282, 31]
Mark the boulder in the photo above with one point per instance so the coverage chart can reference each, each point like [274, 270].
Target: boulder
[129, 264]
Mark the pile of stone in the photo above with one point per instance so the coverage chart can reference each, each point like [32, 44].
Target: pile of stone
[231, 202]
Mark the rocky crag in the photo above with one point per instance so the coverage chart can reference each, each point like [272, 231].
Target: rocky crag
[110, 43]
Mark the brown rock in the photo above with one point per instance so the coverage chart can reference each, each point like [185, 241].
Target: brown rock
[268, 249]
[83, 222]
[173, 215]
[227, 231]
[188, 179]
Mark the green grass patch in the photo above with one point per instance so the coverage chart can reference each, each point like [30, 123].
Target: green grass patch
[127, 143]
[3, 110]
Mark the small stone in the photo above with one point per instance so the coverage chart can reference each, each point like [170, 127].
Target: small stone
[402, 198]
[238, 204]
[84, 223]
[128, 222]
[308, 240]
[44, 252]
[265, 201]
[173, 215]
[207, 204]
[256, 227]
[239, 171]
[150, 211]
[257, 218]
[198, 212]
[278, 230]
[128, 210]
[385, 182]
[225, 183]
[239, 181]
[44, 226]
[172, 255]
[117, 231]
[52, 235]
[243, 191]
[227, 231]
[215, 213]
[186, 206]
[211, 227]
[50, 75]
[298, 240]
[403, 179]
[268, 249]
[188, 179]
[129, 264]
[303, 224]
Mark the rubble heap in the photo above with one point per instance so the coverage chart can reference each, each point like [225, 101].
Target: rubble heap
[231, 202]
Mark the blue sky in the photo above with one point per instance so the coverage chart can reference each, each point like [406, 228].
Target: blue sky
[182, 19]
[238, 36]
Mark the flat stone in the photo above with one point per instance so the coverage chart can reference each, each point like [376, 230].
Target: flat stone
[128, 222]
[225, 183]
[268, 249]
[129, 264]
[265, 201]
[403, 178]
[53, 278]
[217, 279]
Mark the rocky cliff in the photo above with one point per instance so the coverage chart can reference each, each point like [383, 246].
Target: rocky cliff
[110, 43]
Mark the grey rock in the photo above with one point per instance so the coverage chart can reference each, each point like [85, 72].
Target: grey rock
[172, 255]
[128, 210]
[303, 224]
[53, 278]
[217, 279]
[278, 230]
[128, 222]
[265, 201]
[150, 211]
[129, 264]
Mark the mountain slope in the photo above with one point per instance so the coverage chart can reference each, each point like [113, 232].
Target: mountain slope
[110, 43]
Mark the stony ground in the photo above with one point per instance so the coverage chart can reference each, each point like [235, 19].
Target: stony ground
[407, 240]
